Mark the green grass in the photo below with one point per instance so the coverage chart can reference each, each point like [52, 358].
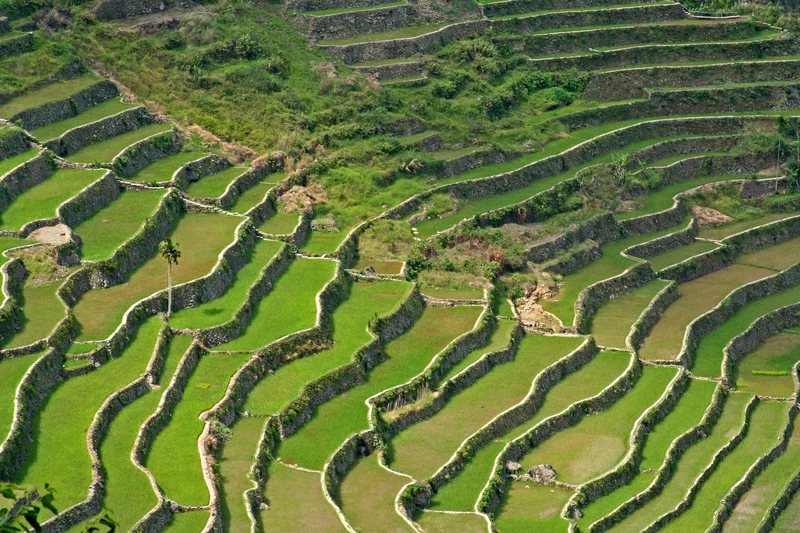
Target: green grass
[58, 454]
[462, 492]
[129, 494]
[280, 223]
[381, 267]
[288, 308]
[222, 309]
[367, 495]
[690, 465]
[767, 370]
[11, 372]
[664, 198]
[42, 200]
[423, 448]
[319, 242]
[350, 322]
[14, 161]
[407, 355]
[174, 458]
[697, 297]
[437, 522]
[298, 505]
[753, 505]
[214, 185]
[612, 323]
[766, 426]
[452, 294]
[597, 443]
[105, 151]
[686, 414]
[498, 339]
[708, 356]
[400, 33]
[47, 94]
[682, 253]
[109, 107]
[610, 264]
[164, 168]
[236, 457]
[448, 155]
[188, 522]
[109, 228]
[41, 311]
[531, 507]
[777, 257]
[323, 12]
[251, 197]
[737, 226]
[200, 237]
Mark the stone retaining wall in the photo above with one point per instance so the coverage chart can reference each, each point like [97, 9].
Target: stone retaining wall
[601, 229]
[100, 130]
[651, 315]
[665, 243]
[13, 142]
[16, 45]
[661, 54]
[68, 107]
[596, 295]
[14, 274]
[411, 69]
[351, 23]
[298, 6]
[516, 7]
[146, 151]
[514, 451]
[241, 183]
[122, 9]
[196, 170]
[25, 176]
[573, 259]
[73, 69]
[89, 201]
[625, 84]
[403, 48]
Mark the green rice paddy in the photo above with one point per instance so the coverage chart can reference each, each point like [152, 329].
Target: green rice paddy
[105, 151]
[9, 164]
[11, 373]
[280, 223]
[164, 168]
[612, 323]
[767, 370]
[42, 309]
[112, 106]
[47, 94]
[214, 185]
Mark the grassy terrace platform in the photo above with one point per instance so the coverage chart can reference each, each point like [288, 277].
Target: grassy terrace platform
[407, 355]
[288, 308]
[102, 110]
[367, 496]
[7, 165]
[422, 449]
[128, 490]
[610, 264]
[738, 226]
[498, 339]
[400, 33]
[174, 458]
[222, 309]
[188, 522]
[11, 373]
[691, 464]
[58, 453]
[202, 237]
[527, 500]
[251, 197]
[754, 504]
[42, 200]
[612, 323]
[680, 254]
[381, 267]
[462, 492]
[163, 169]
[438, 522]
[708, 356]
[106, 151]
[323, 12]
[699, 296]
[767, 370]
[599, 442]
[109, 228]
[280, 223]
[766, 427]
[214, 185]
[47, 94]
[686, 414]
[41, 309]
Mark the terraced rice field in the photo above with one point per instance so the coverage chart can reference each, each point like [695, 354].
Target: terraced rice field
[293, 390]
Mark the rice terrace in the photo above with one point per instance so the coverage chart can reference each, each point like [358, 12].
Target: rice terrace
[377, 266]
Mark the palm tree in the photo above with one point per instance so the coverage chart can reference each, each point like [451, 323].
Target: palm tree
[169, 251]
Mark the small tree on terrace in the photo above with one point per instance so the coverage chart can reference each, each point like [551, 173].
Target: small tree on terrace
[169, 251]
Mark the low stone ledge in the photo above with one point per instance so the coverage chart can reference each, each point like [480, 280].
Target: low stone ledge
[146, 151]
[25, 176]
[89, 201]
[351, 23]
[66, 107]
[13, 143]
[100, 130]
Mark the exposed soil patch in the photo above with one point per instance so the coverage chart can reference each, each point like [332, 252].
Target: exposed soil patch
[709, 217]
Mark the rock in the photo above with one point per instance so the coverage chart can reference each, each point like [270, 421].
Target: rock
[540, 474]
[513, 466]
[264, 506]
[369, 271]
[58, 234]
[709, 217]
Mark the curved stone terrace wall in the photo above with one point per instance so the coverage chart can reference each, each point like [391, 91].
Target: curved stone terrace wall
[122, 9]
[68, 107]
[16, 45]
[13, 142]
[351, 23]
[241, 183]
[196, 170]
[100, 130]
[25, 176]
[518, 7]
[146, 151]
[73, 69]
[14, 274]
[596, 295]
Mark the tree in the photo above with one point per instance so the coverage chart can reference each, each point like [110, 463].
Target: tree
[169, 251]
[21, 506]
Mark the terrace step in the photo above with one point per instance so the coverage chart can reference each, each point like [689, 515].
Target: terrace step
[392, 70]
[516, 7]
[669, 54]
[362, 21]
[15, 43]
